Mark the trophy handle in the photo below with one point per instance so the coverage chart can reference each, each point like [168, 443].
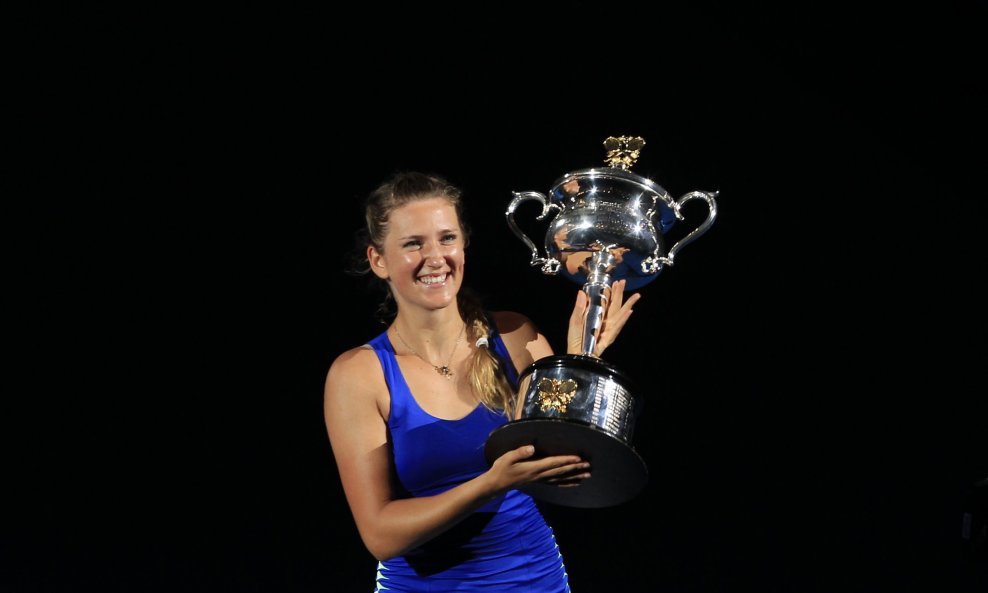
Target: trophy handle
[549, 265]
[654, 263]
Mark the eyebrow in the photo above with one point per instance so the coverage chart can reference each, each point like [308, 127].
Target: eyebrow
[441, 232]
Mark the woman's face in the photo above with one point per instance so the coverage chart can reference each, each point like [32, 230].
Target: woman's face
[422, 257]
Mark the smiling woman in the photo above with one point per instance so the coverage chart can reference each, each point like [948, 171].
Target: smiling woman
[409, 412]
[421, 254]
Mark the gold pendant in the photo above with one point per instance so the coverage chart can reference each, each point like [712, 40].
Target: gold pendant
[445, 371]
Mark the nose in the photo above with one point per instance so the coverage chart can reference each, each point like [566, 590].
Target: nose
[433, 255]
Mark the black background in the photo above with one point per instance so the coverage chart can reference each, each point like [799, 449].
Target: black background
[813, 367]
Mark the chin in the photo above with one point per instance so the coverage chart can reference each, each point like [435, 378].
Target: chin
[442, 303]
[443, 299]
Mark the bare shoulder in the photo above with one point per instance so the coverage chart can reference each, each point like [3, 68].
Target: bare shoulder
[353, 362]
[524, 341]
[513, 324]
[355, 372]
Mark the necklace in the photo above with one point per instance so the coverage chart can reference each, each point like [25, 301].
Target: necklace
[443, 370]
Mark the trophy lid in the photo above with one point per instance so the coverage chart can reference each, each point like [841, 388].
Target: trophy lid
[617, 178]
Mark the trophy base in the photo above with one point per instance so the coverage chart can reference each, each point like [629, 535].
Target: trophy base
[617, 472]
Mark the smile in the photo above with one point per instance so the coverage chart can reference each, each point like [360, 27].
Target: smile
[433, 279]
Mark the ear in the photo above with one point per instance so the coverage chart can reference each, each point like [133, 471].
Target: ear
[377, 265]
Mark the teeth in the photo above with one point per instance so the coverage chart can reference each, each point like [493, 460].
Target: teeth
[433, 279]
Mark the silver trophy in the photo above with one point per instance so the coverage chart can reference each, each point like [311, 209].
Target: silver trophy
[609, 225]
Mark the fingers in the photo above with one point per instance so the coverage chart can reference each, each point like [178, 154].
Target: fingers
[579, 308]
[521, 466]
[617, 305]
[574, 476]
[545, 467]
[617, 295]
[574, 334]
[560, 467]
[569, 482]
[618, 313]
[569, 476]
[522, 453]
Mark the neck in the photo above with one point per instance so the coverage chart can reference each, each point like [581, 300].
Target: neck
[431, 333]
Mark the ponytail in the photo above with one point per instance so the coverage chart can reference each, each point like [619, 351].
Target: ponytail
[485, 372]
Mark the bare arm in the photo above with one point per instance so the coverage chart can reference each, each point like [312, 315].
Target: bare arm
[523, 340]
[355, 406]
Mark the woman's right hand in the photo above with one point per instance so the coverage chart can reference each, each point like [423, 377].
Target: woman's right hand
[519, 467]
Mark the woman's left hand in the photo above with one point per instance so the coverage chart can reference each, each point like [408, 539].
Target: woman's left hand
[617, 314]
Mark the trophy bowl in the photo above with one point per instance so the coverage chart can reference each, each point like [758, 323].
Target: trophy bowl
[607, 224]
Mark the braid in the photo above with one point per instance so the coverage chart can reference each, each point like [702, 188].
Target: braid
[486, 375]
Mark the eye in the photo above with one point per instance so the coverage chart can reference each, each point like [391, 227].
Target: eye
[449, 238]
[412, 243]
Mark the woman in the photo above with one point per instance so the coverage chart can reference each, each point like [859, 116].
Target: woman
[408, 413]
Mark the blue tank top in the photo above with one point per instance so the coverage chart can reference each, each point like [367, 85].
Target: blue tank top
[505, 545]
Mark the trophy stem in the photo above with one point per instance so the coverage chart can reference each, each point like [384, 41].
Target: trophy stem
[598, 289]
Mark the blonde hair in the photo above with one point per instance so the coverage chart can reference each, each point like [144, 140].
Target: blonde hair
[486, 374]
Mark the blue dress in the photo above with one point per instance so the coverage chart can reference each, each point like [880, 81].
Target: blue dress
[504, 546]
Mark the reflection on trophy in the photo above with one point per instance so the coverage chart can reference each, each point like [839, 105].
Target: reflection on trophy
[609, 225]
